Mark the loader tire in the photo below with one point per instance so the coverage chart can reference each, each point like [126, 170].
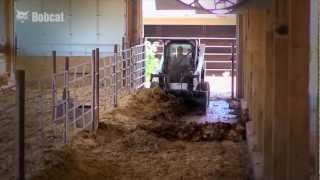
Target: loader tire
[205, 104]
[154, 85]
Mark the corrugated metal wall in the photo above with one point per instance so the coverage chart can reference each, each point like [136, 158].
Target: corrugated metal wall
[87, 24]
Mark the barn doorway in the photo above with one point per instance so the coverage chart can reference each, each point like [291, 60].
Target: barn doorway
[218, 33]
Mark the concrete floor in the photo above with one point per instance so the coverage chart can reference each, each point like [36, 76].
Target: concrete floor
[218, 111]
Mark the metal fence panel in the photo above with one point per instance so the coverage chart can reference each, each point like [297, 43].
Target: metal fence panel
[56, 113]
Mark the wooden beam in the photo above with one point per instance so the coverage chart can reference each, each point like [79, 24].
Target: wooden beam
[269, 102]
[134, 22]
[189, 21]
[280, 122]
[276, 80]
[240, 33]
[256, 48]
[298, 83]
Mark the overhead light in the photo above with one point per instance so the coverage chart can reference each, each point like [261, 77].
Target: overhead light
[212, 6]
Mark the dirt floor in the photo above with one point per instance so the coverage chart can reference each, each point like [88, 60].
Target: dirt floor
[147, 137]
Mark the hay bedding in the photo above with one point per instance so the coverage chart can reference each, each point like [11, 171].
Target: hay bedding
[42, 134]
[37, 131]
[131, 144]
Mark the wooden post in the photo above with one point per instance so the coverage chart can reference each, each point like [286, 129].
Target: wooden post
[244, 53]
[93, 85]
[20, 103]
[256, 60]
[298, 89]
[134, 21]
[260, 95]
[239, 50]
[280, 122]
[269, 101]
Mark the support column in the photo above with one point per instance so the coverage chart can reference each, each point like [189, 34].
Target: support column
[257, 47]
[239, 58]
[280, 138]
[298, 83]
[269, 102]
[134, 22]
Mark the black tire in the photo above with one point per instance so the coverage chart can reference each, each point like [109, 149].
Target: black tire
[154, 85]
[205, 87]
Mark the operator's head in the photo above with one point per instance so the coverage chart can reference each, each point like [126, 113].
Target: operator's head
[180, 50]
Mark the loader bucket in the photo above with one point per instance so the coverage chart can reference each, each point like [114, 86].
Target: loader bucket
[197, 100]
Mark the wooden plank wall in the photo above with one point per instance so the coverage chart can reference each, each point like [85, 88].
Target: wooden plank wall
[254, 58]
[298, 70]
[275, 53]
[270, 100]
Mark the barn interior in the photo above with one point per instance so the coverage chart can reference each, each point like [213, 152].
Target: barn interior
[159, 89]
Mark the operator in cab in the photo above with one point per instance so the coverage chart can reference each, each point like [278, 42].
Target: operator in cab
[179, 65]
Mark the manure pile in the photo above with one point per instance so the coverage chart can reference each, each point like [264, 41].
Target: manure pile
[198, 132]
[164, 111]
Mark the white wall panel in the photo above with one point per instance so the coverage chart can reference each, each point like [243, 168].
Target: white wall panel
[86, 26]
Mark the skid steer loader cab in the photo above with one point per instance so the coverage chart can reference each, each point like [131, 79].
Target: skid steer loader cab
[182, 71]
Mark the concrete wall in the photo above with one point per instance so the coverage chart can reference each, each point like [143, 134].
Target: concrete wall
[39, 68]
[86, 23]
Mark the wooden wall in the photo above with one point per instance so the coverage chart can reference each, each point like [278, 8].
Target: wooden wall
[223, 31]
[275, 53]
